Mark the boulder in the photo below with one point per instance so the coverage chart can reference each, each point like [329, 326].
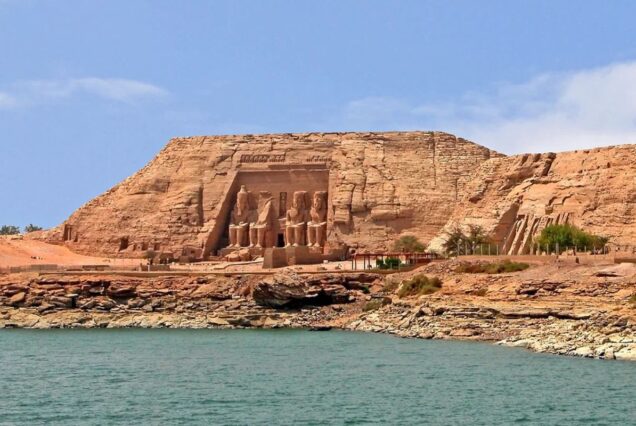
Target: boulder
[288, 290]
[17, 298]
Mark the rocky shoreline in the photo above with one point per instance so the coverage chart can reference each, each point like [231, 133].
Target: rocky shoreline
[572, 310]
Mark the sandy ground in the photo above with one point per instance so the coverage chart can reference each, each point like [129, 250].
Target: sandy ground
[22, 252]
[15, 251]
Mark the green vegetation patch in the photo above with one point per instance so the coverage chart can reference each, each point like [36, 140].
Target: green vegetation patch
[568, 236]
[9, 230]
[419, 285]
[388, 263]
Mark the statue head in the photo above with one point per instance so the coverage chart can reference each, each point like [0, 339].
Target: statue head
[298, 200]
[242, 199]
[319, 200]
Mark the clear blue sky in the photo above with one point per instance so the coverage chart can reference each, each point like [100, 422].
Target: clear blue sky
[91, 90]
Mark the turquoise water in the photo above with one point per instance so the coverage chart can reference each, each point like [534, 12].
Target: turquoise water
[297, 377]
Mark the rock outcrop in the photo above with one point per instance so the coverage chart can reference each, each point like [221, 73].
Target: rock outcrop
[291, 290]
[379, 185]
[514, 198]
[571, 309]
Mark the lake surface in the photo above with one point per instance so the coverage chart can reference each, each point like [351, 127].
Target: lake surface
[297, 377]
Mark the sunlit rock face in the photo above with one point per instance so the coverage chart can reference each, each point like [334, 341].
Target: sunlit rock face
[514, 198]
[376, 187]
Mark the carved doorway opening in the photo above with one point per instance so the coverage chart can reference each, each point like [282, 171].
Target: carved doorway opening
[280, 241]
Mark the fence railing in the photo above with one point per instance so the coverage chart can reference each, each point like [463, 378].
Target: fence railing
[467, 249]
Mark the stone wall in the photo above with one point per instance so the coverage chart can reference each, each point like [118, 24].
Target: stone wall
[514, 198]
[380, 185]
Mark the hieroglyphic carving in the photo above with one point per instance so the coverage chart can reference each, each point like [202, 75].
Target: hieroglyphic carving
[318, 159]
[262, 158]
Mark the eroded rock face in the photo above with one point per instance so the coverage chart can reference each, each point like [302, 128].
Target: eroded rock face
[377, 185]
[291, 290]
[514, 198]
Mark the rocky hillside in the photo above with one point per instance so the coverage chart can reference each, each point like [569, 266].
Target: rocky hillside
[380, 185]
[514, 198]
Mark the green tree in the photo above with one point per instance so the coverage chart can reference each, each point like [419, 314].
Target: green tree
[32, 228]
[9, 230]
[476, 236]
[409, 244]
[465, 242]
[455, 241]
[568, 236]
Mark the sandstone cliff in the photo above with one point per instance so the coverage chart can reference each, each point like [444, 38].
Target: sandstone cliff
[380, 185]
[514, 198]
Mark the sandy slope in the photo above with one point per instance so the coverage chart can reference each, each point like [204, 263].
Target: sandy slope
[20, 252]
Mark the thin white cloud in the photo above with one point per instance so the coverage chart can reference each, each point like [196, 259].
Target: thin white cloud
[551, 112]
[34, 92]
[7, 101]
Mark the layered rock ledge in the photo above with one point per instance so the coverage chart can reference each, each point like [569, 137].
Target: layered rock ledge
[569, 309]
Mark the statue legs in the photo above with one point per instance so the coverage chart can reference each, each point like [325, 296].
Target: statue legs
[262, 234]
[316, 235]
[239, 235]
[253, 236]
[232, 232]
[289, 236]
[299, 235]
[320, 234]
[295, 235]
[311, 235]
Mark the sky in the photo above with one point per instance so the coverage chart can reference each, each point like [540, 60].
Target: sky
[90, 91]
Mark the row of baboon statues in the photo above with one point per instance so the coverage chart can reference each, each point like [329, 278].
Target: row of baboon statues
[251, 227]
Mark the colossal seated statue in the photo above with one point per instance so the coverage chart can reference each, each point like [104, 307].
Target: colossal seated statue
[317, 225]
[296, 220]
[263, 230]
[240, 219]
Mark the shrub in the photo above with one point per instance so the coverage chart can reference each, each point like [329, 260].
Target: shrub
[9, 230]
[566, 236]
[388, 263]
[32, 228]
[632, 300]
[419, 285]
[410, 244]
[491, 268]
[372, 305]
[481, 292]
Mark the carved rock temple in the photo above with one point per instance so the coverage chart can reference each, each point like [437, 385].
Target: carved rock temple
[307, 197]
[212, 195]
